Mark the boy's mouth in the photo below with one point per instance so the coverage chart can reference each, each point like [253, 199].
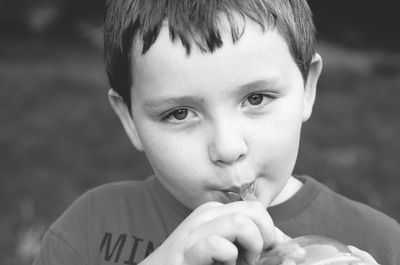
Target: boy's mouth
[246, 193]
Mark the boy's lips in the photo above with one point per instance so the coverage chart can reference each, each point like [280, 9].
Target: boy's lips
[232, 196]
[245, 192]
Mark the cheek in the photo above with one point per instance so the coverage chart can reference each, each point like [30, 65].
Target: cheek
[277, 142]
[178, 165]
[173, 156]
[287, 145]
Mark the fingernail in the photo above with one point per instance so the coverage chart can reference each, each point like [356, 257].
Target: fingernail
[300, 251]
[256, 259]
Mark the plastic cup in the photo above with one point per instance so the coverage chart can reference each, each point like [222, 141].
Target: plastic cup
[322, 251]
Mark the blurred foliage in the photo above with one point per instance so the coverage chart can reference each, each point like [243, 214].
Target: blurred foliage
[49, 17]
[357, 23]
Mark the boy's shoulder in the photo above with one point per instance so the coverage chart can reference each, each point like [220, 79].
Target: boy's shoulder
[355, 210]
[111, 216]
[102, 198]
[365, 227]
[354, 223]
[120, 204]
[118, 189]
[320, 201]
[108, 194]
[346, 210]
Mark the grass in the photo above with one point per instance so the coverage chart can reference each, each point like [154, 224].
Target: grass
[59, 137]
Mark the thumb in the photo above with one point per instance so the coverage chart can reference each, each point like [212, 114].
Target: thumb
[364, 256]
[281, 237]
[286, 253]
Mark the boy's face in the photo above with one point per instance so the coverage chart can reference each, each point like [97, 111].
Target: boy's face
[211, 122]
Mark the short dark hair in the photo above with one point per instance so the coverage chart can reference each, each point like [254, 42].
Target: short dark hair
[195, 22]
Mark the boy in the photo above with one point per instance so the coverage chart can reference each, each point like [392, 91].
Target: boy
[215, 93]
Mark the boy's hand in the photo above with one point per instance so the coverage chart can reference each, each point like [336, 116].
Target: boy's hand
[286, 253]
[366, 258]
[219, 233]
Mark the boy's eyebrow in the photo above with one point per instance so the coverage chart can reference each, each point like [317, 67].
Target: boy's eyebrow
[154, 102]
[259, 84]
[240, 90]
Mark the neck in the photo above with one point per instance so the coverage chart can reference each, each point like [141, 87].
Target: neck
[292, 186]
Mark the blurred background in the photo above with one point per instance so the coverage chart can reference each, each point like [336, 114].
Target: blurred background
[59, 137]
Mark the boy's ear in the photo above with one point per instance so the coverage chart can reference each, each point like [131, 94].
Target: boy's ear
[122, 111]
[311, 85]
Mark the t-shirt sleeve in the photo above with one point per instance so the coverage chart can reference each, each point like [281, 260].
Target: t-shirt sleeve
[66, 241]
[389, 245]
[57, 250]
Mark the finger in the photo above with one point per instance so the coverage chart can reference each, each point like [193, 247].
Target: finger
[361, 263]
[203, 213]
[364, 256]
[255, 211]
[236, 227]
[288, 262]
[210, 250]
[288, 251]
[281, 237]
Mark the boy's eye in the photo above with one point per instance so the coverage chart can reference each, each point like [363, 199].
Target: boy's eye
[179, 115]
[257, 99]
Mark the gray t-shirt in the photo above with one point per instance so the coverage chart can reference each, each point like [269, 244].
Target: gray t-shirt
[123, 222]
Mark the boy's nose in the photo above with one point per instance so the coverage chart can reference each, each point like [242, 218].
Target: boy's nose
[227, 144]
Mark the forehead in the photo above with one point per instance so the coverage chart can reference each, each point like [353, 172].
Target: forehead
[256, 55]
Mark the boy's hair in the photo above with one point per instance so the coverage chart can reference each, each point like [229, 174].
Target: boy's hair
[196, 22]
